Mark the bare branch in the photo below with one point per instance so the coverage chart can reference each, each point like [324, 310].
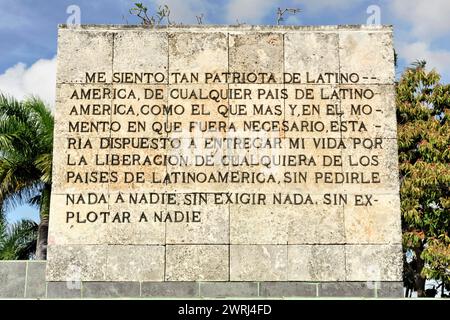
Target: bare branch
[281, 12]
[161, 14]
[200, 18]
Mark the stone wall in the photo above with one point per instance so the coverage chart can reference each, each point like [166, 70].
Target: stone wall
[342, 227]
[26, 279]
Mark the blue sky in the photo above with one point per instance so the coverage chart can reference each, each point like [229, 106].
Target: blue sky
[28, 32]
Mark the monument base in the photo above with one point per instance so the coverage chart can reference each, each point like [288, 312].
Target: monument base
[26, 279]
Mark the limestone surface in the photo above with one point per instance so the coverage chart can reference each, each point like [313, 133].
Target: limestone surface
[225, 154]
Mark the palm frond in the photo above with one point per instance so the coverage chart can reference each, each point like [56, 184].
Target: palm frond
[41, 119]
[11, 134]
[23, 196]
[35, 201]
[44, 164]
[26, 146]
[20, 241]
[10, 107]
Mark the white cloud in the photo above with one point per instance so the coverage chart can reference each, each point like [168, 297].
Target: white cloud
[428, 23]
[439, 59]
[429, 19]
[250, 11]
[37, 80]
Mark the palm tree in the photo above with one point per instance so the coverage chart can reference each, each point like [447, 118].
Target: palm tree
[26, 143]
[18, 240]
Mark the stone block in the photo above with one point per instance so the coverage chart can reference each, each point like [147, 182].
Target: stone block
[390, 289]
[249, 224]
[316, 160]
[313, 112]
[378, 223]
[346, 290]
[131, 54]
[201, 104]
[76, 262]
[12, 278]
[197, 53]
[258, 103]
[212, 226]
[316, 224]
[135, 108]
[228, 289]
[375, 164]
[64, 290]
[73, 166]
[84, 51]
[357, 55]
[170, 289]
[72, 227]
[287, 289]
[258, 262]
[375, 109]
[197, 262]
[82, 102]
[135, 263]
[36, 285]
[374, 262]
[113, 289]
[142, 228]
[311, 54]
[267, 58]
[316, 263]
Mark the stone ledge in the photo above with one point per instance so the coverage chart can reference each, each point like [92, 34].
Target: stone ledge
[169, 289]
[288, 289]
[219, 27]
[228, 289]
[113, 289]
[347, 289]
[26, 279]
[35, 287]
[13, 279]
[389, 289]
[63, 290]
